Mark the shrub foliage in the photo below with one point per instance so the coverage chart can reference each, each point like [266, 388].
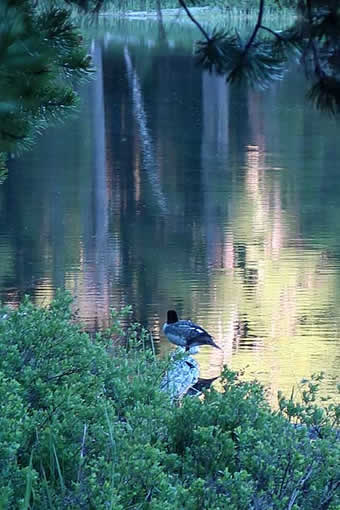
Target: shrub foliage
[83, 424]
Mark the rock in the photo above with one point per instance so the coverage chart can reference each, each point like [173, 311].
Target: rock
[182, 375]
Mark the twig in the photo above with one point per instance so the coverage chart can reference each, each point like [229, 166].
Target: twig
[250, 40]
[300, 485]
[272, 32]
[326, 502]
[257, 27]
[198, 25]
[63, 374]
[288, 466]
[10, 135]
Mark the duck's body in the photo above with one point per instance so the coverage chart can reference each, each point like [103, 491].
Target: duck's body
[186, 333]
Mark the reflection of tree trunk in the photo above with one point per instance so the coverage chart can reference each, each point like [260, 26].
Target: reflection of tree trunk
[214, 148]
[149, 161]
[159, 11]
[58, 238]
[100, 201]
[96, 295]
[161, 30]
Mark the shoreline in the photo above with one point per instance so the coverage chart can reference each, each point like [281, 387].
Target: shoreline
[176, 11]
[197, 12]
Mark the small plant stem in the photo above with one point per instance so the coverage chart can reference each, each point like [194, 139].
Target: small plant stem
[82, 452]
[60, 475]
[152, 345]
[28, 490]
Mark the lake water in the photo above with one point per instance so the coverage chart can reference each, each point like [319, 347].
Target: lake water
[172, 190]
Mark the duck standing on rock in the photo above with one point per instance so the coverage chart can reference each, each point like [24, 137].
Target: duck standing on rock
[185, 333]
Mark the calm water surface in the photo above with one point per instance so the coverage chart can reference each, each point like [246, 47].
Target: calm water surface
[171, 189]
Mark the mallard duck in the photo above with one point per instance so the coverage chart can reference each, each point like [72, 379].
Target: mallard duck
[185, 333]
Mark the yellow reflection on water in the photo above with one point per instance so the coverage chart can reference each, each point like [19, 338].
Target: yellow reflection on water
[272, 310]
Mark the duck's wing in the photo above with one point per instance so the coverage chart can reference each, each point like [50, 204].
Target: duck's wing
[199, 336]
[191, 330]
[182, 329]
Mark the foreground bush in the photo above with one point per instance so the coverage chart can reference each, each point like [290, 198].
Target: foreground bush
[83, 424]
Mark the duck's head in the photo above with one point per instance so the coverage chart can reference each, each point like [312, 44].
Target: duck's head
[172, 316]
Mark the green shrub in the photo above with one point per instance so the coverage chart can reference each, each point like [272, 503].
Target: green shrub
[83, 424]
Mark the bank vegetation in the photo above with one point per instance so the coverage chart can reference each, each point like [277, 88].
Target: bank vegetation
[84, 424]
